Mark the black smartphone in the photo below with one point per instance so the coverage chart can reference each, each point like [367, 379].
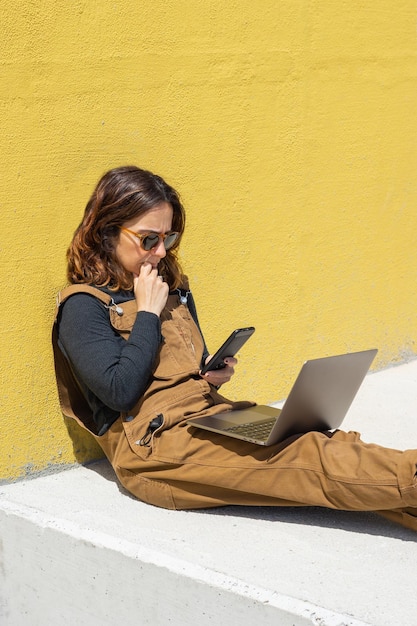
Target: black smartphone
[232, 345]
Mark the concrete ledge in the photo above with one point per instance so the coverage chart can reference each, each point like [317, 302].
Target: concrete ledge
[77, 549]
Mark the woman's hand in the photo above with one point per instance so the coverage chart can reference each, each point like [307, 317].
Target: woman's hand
[151, 292]
[223, 375]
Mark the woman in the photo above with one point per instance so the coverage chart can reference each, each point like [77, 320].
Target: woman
[127, 334]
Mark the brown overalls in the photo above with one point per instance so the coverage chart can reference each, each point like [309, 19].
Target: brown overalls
[165, 462]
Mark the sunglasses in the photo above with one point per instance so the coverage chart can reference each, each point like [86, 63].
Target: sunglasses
[151, 240]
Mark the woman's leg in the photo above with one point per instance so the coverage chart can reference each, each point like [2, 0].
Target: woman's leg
[406, 517]
[186, 468]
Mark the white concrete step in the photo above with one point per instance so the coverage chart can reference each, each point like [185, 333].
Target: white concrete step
[77, 549]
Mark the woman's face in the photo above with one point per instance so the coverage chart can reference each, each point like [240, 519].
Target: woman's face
[129, 251]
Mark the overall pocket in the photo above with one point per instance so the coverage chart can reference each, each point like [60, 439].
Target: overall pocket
[139, 432]
[144, 431]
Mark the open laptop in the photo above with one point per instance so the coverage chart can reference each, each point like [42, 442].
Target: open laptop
[319, 400]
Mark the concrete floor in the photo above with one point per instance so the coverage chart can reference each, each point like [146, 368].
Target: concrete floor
[76, 548]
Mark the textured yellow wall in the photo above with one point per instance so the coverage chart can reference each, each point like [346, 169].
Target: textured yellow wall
[289, 126]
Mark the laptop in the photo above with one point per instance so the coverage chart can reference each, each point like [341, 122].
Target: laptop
[319, 400]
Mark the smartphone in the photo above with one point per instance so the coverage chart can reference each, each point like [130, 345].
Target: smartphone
[232, 345]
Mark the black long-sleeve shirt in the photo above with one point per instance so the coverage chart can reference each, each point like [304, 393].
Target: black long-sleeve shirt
[113, 372]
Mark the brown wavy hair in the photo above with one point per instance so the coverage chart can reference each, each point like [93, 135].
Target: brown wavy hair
[122, 194]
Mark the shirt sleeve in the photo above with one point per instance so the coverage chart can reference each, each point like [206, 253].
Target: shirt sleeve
[116, 370]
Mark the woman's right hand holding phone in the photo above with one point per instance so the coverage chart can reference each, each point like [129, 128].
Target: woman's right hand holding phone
[221, 376]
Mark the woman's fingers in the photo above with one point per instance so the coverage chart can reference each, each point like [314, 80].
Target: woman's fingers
[151, 291]
[223, 375]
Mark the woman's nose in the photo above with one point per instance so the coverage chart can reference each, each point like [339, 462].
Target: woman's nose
[159, 249]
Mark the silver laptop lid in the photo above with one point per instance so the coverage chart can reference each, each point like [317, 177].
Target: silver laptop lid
[322, 393]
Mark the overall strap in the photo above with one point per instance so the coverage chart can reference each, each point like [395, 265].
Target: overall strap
[71, 398]
[65, 293]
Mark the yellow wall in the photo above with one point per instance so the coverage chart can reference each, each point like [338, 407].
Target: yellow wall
[289, 126]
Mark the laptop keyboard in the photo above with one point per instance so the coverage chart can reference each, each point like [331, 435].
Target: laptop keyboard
[254, 430]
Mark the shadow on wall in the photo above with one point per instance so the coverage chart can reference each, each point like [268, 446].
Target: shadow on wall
[85, 447]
